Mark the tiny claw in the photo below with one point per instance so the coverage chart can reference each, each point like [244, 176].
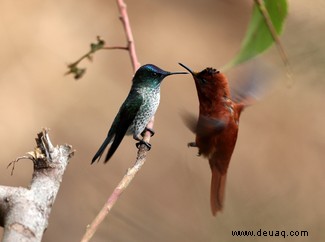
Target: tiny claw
[152, 132]
[142, 142]
[193, 144]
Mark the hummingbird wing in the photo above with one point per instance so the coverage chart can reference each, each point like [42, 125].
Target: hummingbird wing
[252, 85]
[190, 120]
[128, 112]
[203, 126]
[122, 121]
[208, 126]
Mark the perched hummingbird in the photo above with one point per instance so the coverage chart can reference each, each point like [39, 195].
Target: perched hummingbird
[216, 128]
[137, 110]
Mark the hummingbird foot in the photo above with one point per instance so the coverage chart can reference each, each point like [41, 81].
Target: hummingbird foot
[193, 144]
[152, 132]
[142, 142]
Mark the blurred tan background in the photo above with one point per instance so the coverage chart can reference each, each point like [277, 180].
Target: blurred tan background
[276, 177]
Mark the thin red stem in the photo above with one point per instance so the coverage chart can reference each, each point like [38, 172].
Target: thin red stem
[128, 32]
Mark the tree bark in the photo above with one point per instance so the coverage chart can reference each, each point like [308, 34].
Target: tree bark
[24, 212]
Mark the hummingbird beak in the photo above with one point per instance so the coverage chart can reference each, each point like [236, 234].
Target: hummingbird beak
[175, 73]
[187, 68]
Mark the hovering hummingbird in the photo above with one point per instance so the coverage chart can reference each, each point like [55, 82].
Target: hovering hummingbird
[216, 128]
[137, 110]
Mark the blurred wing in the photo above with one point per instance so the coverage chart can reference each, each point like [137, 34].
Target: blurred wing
[127, 114]
[209, 126]
[204, 126]
[254, 81]
[189, 120]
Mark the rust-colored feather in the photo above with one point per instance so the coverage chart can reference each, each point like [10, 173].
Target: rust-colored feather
[217, 193]
[216, 129]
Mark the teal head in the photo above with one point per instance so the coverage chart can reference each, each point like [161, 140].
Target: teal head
[151, 75]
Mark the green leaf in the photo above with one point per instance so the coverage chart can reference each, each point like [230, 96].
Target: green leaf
[97, 46]
[258, 36]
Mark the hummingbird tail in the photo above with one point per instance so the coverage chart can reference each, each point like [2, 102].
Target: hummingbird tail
[218, 184]
[116, 142]
[101, 150]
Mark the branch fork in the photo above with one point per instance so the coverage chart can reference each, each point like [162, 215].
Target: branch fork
[24, 212]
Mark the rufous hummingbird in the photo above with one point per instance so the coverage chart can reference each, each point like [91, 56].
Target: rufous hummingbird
[216, 128]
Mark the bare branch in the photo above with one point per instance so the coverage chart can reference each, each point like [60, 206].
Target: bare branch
[128, 32]
[128, 177]
[24, 212]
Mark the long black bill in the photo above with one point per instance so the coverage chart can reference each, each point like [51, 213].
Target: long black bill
[175, 73]
[187, 68]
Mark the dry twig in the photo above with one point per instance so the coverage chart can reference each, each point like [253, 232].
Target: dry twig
[24, 212]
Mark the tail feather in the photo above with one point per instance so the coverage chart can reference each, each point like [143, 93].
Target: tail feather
[101, 149]
[117, 140]
[218, 184]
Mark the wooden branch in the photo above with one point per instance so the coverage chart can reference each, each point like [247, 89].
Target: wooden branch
[128, 32]
[24, 212]
[123, 184]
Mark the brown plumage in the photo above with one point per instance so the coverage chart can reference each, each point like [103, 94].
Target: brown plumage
[216, 128]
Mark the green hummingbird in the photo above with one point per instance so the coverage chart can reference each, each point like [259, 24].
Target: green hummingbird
[137, 110]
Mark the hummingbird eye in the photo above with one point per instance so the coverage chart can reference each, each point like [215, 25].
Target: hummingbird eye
[203, 81]
[156, 74]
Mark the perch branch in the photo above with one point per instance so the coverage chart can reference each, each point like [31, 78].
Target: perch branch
[142, 152]
[24, 212]
[128, 32]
